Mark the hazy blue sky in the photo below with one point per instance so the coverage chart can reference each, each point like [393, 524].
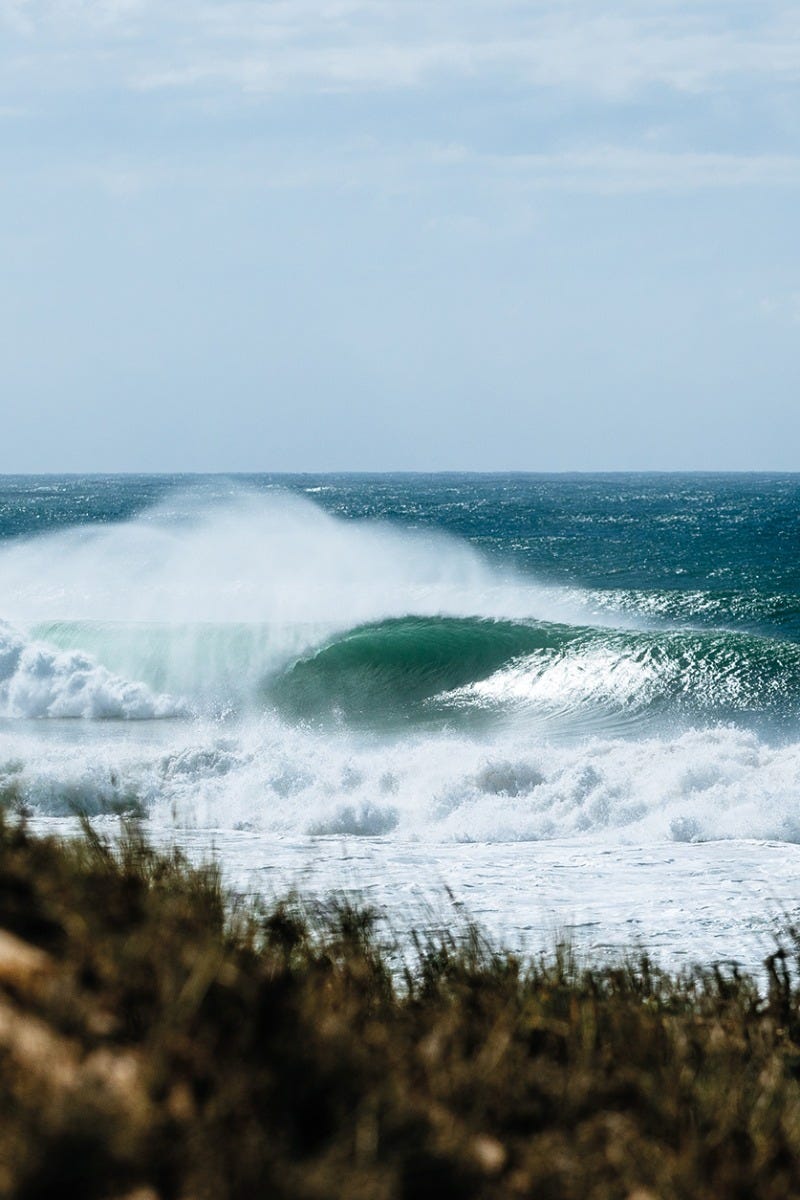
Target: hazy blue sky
[422, 234]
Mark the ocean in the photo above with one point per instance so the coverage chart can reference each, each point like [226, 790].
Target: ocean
[570, 701]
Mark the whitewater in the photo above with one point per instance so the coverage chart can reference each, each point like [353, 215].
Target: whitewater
[573, 701]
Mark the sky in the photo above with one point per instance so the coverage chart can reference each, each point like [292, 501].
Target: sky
[545, 235]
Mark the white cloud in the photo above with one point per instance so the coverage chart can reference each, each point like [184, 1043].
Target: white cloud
[613, 56]
[782, 309]
[611, 169]
[321, 45]
[608, 170]
[490, 189]
[14, 16]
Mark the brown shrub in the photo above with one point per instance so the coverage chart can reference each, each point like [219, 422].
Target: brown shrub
[157, 1041]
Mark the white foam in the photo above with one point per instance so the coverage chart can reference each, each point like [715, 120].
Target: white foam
[37, 681]
[703, 784]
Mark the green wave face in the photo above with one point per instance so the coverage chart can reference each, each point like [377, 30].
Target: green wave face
[419, 668]
[397, 668]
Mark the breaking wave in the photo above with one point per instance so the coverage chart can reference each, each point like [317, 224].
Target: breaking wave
[400, 670]
[329, 677]
[395, 668]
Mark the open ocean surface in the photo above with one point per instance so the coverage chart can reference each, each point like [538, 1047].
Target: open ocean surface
[574, 700]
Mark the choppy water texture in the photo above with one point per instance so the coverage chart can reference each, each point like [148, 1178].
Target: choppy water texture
[426, 661]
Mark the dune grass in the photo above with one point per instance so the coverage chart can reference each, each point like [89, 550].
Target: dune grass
[158, 1040]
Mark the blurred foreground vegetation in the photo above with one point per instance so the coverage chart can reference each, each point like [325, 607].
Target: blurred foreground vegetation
[159, 1041]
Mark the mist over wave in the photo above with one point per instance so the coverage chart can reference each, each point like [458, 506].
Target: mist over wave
[276, 560]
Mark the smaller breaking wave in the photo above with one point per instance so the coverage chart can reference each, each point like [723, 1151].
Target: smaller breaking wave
[295, 782]
[37, 681]
[630, 677]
